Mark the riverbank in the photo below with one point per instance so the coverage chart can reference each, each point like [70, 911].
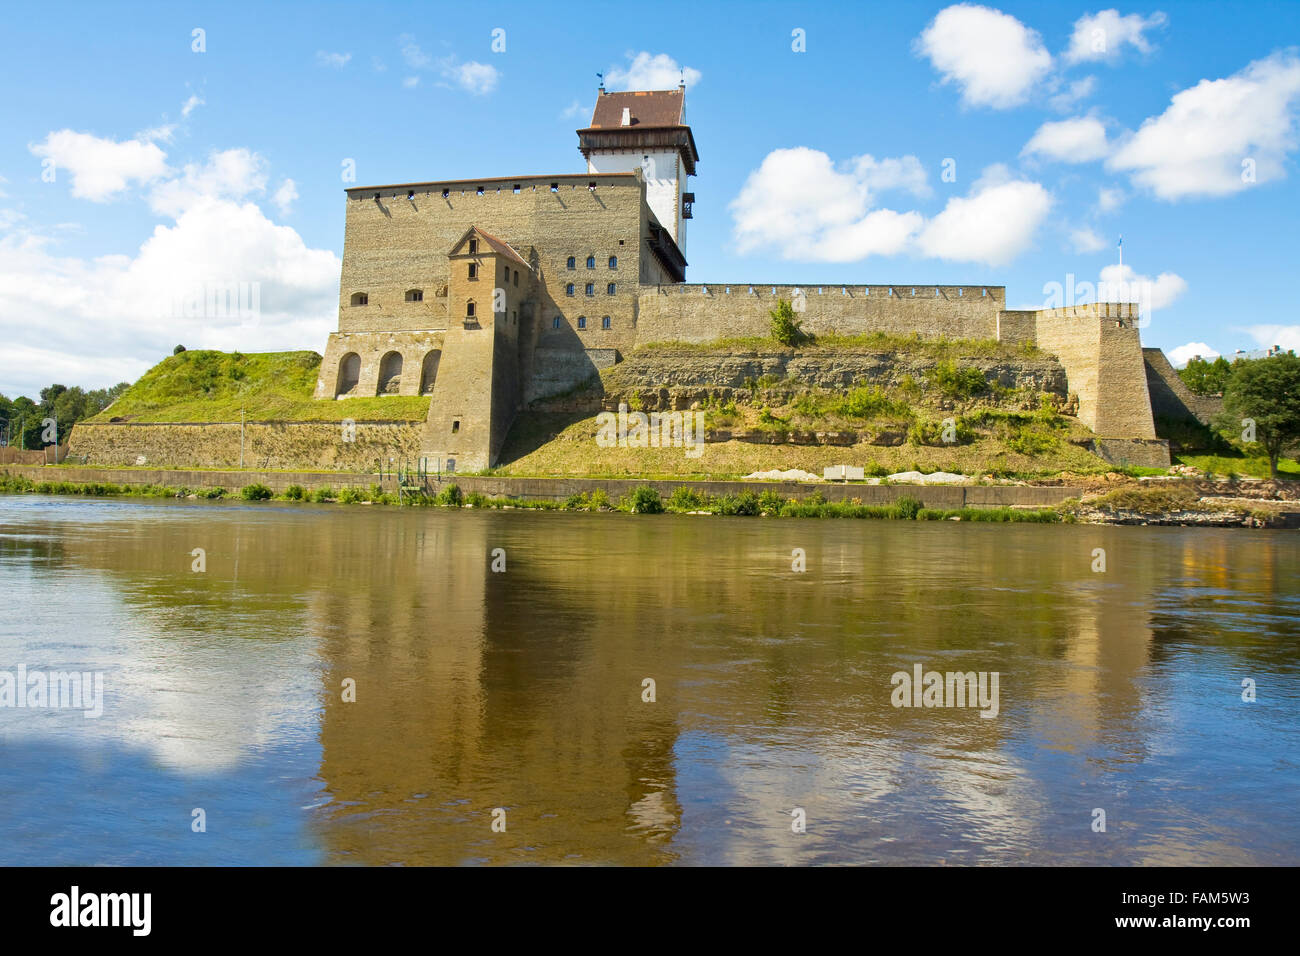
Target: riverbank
[1172, 502]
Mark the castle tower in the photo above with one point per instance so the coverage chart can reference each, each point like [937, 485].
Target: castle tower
[646, 130]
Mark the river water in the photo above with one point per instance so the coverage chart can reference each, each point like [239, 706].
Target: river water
[357, 685]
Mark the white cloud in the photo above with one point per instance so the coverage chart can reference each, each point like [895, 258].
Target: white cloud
[806, 207]
[191, 104]
[1102, 36]
[573, 110]
[1084, 239]
[228, 174]
[1123, 284]
[994, 58]
[1109, 199]
[993, 225]
[1180, 356]
[101, 168]
[1286, 336]
[1215, 133]
[285, 196]
[1073, 94]
[651, 72]
[1078, 140]
[335, 61]
[415, 58]
[472, 77]
[800, 203]
[411, 82]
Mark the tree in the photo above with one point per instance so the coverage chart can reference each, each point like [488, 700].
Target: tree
[1206, 378]
[786, 329]
[178, 350]
[1265, 393]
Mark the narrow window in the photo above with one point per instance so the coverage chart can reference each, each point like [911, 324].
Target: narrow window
[455, 427]
[591, 262]
[473, 246]
[555, 322]
[516, 277]
[613, 262]
[469, 309]
[473, 270]
[572, 263]
[609, 289]
[604, 323]
[568, 289]
[451, 466]
[582, 321]
[591, 288]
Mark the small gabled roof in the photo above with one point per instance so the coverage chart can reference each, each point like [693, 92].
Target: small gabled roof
[498, 246]
[648, 108]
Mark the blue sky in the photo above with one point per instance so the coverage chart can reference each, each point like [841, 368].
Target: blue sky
[1066, 125]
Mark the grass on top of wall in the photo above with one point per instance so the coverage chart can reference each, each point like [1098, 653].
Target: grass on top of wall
[210, 386]
[875, 341]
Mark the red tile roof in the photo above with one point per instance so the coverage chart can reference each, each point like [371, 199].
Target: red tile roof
[649, 108]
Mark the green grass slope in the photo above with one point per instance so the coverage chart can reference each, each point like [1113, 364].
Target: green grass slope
[208, 386]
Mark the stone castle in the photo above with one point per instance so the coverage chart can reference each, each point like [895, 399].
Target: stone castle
[487, 294]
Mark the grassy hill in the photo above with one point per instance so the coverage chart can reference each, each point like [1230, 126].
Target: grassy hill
[207, 386]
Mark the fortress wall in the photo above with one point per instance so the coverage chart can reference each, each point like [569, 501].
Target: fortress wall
[1170, 396]
[702, 313]
[1076, 341]
[266, 444]
[1124, 408]
[557, 371]
[1018, 328]
[371, 347]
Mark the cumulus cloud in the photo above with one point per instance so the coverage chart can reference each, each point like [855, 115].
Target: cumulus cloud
[230, 173]
[992, 225]
[573, 110]
[101, 168]
[285, 196]
[806, 207]
[1180, 356]
[1286, 336]
[1103, 36]
[651, 72]
[800, 203]
[334, 61]
[1077, 91]
[1220, 136]
[993, 58]
[1124, 284]
[107, 318]
[1078, 140]
[1109, 199]
[1085, 239]
[191, 104]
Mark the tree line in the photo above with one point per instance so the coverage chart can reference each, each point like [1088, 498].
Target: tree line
[23, 421]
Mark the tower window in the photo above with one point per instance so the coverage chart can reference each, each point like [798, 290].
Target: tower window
[516, 190]
[473, 246]
[480, 191]
[473, 270]
[613, 262]
[446, 193]
[455, 426]
[414, 295]
[591, 288]
[555, 322]
[469, 309]
[572, 263]
[516, 277]
[591, 262]
[360, 298]
[609, 289]
[555, 187]
[604, 323]
[410, 194]
[568, 289]
[582, 321]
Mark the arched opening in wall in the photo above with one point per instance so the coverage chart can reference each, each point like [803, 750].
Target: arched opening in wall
[360, 298]
[349, 374]
[390, 374]
[429, 371]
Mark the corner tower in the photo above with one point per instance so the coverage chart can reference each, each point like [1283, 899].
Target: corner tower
[646, 130]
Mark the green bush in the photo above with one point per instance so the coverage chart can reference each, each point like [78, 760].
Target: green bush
[255, 492]
[645, 501]
[213, 493]
[786, 328]
[295, 493]
[451, 496]
[599, 501]
[351, 495]
[687, 499]
[745, 503]
[771, 502]
[322, 494]
[954, 381]
[477, 500]
[906, 509]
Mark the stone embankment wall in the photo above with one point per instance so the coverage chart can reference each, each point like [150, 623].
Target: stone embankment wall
[265, 444]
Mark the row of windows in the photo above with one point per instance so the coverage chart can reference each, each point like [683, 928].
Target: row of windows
[558, 322]
[505, 273]
[610, 289]
[591, 262]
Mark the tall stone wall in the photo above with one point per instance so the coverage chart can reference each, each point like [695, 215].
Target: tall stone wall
[272, 445]
[701, 313]
[1170, 396]
[370, 348]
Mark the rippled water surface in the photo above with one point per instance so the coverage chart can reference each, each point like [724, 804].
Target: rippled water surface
[523, 690]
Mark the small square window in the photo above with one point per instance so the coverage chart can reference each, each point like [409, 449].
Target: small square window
[446, 193]
[480, 191]
[516, 190]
